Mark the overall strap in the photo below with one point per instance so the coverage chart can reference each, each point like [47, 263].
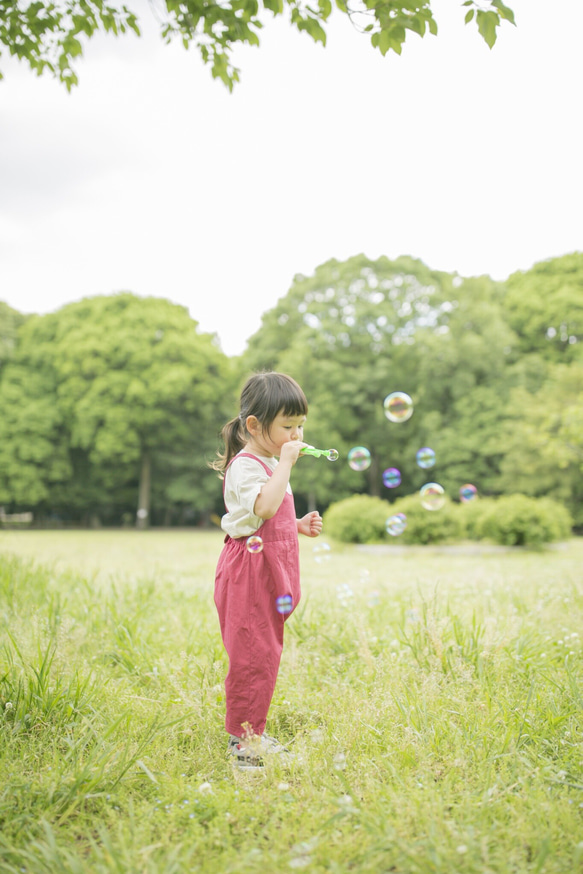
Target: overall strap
[267, 469]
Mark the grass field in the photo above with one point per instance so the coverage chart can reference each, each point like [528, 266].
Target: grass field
[433, 698]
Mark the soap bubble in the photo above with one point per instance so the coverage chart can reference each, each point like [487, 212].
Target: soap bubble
[398, 406]
[359, 458]
[425, 457]
[467, 492]
[432, 496]
[254, 544]
[332, 455]
[392, 477]
[322, 552]
[284, 604]
[396, 524]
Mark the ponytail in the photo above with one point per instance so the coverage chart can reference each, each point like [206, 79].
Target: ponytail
[234, 437]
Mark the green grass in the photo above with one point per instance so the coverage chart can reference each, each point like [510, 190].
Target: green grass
[434, 700]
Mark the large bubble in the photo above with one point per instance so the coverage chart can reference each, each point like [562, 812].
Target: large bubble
[396, 524]
[432, 496]
[359, 458]
[467, 492]
[392, 477]
[254, 544]
[332, 455]
[425, 457]
[398, 406]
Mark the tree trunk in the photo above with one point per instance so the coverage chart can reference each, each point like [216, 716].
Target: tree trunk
[374, 486]
[143, 514]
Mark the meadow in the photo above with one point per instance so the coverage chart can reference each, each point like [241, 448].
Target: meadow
[433, 698]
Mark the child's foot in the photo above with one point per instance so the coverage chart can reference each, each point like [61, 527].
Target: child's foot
[249, 753]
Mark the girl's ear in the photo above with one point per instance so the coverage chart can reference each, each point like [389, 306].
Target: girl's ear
[253, 425]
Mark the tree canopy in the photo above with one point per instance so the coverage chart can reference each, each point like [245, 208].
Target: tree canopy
[545, 305]
[10, 321]
[357, 330]
[109, 394]
[50, 36]
[115, 403]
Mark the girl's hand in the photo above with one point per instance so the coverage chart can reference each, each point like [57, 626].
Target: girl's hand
[290, 451]
[310, 524]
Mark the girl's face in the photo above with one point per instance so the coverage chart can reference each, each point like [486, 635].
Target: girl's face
[284, 428]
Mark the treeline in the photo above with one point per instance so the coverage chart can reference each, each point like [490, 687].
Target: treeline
[110, 408]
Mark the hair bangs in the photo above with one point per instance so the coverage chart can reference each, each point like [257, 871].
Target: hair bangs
[294, 400]
[267, 394]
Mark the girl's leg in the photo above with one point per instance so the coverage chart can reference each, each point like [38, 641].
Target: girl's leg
[252, 632]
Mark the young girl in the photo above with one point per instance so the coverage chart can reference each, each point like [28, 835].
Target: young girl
[256, 591]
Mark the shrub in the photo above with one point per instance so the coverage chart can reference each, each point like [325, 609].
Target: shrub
[472, 515]
[362, 519]
[429, 526]
[517, 520]
[513, 520]
[358, 519]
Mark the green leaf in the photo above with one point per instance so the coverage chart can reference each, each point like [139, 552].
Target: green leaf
[487, 24]
[384, 41]
[315, 29]
[325, 8]
[275, 6]
[72, 47]
[505, 11]
[417, 25]
[469, 15]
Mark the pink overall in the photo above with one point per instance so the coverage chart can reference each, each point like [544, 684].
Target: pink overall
[246, 588]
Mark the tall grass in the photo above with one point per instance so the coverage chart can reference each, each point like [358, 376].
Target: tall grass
[434, 701]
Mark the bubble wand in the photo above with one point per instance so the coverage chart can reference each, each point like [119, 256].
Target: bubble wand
[330, 454]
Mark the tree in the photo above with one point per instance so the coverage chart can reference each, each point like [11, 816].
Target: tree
[349, 335]
[544, 305]
[117, 385]
[49, 35]
[357, 330]
[544, 440]
[10, 321]
[33, 434]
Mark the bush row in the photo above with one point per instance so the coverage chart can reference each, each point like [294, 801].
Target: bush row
[512, 520]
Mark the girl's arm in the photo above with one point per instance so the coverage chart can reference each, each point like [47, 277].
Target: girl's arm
[272, 494]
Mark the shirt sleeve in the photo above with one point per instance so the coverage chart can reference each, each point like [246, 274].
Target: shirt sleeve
[246, 481]
[243, 481]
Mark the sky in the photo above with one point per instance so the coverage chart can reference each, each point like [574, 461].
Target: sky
[151, 178]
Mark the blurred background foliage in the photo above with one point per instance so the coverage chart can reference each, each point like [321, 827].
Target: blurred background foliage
[115, 403]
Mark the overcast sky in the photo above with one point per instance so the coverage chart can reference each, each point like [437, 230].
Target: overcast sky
[152, 178]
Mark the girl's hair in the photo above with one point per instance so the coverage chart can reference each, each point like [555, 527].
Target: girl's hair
[264, 395]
